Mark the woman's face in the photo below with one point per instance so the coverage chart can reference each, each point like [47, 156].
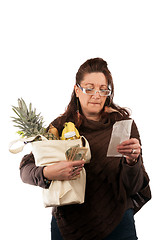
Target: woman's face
[92, 105]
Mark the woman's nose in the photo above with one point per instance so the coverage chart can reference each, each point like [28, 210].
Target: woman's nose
[97, 94]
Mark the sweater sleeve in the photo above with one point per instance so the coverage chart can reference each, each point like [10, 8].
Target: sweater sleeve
[30, 173]
[133, 176]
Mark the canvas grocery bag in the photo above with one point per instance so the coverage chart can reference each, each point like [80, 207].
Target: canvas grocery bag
[60, 193]
[47, 152]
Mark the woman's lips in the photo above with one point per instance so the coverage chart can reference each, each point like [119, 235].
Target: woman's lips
[94, 103]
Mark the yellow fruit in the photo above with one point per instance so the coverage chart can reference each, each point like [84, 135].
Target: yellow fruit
[53, 130]
[69, 131]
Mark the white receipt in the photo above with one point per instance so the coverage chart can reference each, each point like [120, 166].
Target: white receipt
[120, 133]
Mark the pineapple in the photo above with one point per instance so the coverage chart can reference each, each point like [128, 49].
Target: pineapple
[29, 123]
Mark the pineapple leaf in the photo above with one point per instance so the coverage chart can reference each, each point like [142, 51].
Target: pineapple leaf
[27, 120]
[30, 107]
[15, 110]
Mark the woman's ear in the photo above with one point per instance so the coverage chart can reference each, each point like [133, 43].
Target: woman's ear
[76, 89]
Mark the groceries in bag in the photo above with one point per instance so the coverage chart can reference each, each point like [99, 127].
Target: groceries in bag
[49, 148]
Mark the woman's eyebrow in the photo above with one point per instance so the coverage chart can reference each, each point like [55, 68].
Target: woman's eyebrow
[89, 84]
[93, 84]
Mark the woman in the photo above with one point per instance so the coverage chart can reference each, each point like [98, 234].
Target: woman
[117, 186]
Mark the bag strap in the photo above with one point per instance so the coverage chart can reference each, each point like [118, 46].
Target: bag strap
[85, 143]
[24, 141]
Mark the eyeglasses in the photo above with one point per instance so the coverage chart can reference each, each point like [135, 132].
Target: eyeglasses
[92, 91]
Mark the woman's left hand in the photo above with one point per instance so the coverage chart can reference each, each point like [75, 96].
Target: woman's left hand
[130, 149]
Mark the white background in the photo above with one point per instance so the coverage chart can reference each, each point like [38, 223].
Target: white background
[42, 45]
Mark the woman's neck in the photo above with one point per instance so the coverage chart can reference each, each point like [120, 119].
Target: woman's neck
[93, 117]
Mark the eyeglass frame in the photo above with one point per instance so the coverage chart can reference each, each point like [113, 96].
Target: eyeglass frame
[95, 91]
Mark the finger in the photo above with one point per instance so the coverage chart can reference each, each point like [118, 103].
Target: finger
[77, 170]
[128, 147]
[129, 151]
[70, 170]
[74, 175]
[74, 178]
[131, 156]
[78, 163]
[129, 141]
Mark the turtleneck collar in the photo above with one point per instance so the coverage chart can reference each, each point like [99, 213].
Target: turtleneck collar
[91, 125]
[104, 122]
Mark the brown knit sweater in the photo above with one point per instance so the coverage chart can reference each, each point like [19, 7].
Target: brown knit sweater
[112, 186]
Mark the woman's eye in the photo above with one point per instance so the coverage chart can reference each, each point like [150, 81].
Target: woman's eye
[103, 90]
[89, 90]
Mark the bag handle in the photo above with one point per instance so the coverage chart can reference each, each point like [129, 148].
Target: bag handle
[86, 144]
[24, 141]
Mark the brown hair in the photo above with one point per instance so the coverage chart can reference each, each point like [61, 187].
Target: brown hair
[90, 66]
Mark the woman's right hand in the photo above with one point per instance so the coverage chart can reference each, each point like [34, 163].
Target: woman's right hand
[63, 170]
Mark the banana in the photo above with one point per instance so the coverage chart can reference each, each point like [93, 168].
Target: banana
[53, 130]
[69, 131]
